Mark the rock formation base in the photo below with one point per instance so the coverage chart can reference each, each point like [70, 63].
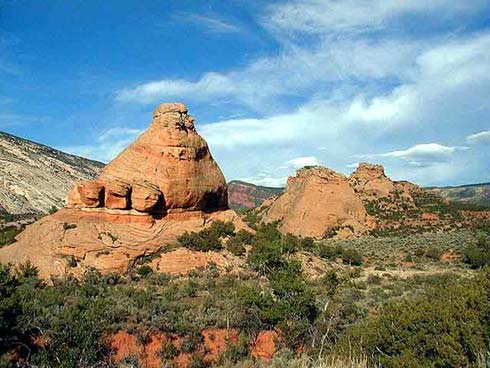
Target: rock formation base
[72, 241]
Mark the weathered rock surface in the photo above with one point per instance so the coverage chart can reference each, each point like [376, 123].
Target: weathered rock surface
[370, 181]
[316, 201]
[172, 156]
[91, 193]
[34, 177]
[372, 185]
[117, 195]
[146, 196]
[163, 184]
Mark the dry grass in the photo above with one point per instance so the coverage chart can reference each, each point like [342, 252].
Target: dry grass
[288, 360]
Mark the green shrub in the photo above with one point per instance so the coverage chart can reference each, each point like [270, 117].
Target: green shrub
[8, 234]
[329, 252]
[244, 237]
[348, 255]
[67, 226]
[236, 247]
[144, 271]
[433, 253]
[209, 238]
[448, 326]
[266, 256]
[201, 241]
[352, 257]
[478, 255]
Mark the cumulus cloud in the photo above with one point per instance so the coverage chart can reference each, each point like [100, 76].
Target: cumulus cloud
[300, 162]
[481, 137]
[421, 154]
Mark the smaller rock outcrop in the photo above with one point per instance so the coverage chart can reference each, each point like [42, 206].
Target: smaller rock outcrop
[316, 202]
[370, 181]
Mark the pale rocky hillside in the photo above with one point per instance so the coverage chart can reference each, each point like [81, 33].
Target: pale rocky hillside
[34, 177]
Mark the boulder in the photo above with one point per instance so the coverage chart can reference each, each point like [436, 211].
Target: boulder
[145, 197]
[91, 193]
[117, 195]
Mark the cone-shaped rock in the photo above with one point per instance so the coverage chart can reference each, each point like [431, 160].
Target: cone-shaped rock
[168, 168]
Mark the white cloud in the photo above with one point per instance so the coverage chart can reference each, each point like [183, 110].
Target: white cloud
[210, 85]
[327, 16]
[421, 155]
[300, 162]
[211, 23]
[109, 144]
[266, 181]
[481, 137]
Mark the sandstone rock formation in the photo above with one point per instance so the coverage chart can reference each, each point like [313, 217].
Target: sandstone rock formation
[34, 177]
[316, 201]
[163, 184]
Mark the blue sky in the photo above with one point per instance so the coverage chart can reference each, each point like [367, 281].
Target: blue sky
[273, 85]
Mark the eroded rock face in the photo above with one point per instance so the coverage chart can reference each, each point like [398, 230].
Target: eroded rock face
[146, 197]
[168, 168]
[316, 201]
[117, 195]
[91, 193]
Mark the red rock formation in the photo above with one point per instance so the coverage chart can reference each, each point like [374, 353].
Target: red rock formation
[163, 184]
[169, 167]
[316, 201]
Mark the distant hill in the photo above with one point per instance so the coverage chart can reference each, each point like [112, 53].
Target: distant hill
[35, 177]
[242, 195]
[478, 194]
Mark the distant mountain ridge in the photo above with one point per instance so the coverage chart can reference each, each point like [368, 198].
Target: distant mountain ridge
[477, 194]
[243, 195]
[35, 177]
